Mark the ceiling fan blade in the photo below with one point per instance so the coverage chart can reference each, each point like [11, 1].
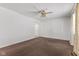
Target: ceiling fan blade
[35, 12]
[49, 12]
[32, 13]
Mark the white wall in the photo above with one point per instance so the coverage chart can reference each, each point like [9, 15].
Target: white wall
[15, 28]
[59, 28]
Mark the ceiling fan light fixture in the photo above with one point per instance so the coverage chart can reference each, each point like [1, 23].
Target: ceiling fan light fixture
[43, 13]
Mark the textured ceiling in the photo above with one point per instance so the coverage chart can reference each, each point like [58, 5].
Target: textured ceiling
[26, 9]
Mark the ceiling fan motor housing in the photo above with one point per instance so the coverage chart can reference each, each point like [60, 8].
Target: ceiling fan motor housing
[43, 13]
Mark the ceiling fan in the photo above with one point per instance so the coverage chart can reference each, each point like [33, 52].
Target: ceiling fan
[42, 12]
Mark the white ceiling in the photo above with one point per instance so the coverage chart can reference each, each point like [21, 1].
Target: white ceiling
[26, 9]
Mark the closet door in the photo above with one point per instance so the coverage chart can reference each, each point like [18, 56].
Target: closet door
[76, 40]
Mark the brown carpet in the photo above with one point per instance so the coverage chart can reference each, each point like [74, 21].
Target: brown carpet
[39, 47]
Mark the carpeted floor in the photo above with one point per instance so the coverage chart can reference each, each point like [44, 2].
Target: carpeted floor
[40, 46]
